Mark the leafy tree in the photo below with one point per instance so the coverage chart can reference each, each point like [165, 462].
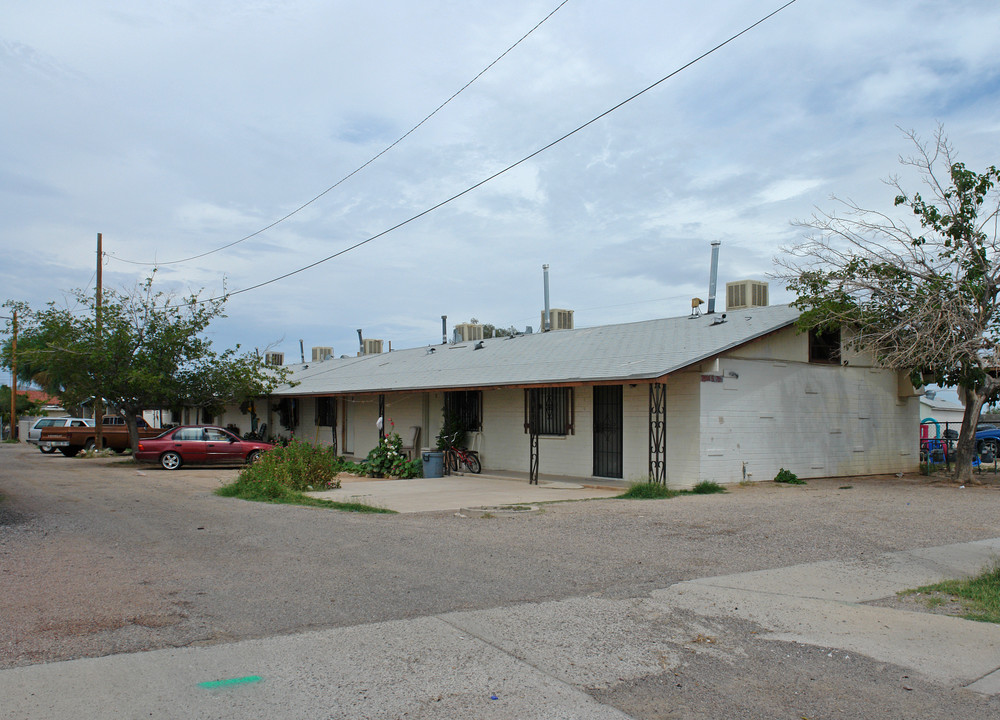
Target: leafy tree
[25, 405]
[491, 331]
[151, 353]
[919, 298]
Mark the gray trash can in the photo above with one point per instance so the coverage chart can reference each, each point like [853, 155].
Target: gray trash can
[433, 462]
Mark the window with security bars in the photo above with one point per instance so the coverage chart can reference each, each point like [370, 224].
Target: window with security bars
[465, 407]
[548, 411]
[288, 413]
[326, 412]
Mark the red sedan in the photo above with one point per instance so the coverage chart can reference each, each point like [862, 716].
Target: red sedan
[199, 445]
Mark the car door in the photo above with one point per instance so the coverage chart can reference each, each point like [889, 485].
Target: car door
[190, 443]
[221, 447]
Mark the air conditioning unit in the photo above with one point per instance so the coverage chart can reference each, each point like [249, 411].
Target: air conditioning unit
[746, 294]
[274, 358]
[558, 319]
[322, 353]
[371, 347]
[468, 332]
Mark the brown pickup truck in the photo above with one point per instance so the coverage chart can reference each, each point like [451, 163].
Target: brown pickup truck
[114, 434]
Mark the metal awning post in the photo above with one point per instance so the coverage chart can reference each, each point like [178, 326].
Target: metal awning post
[658, 433]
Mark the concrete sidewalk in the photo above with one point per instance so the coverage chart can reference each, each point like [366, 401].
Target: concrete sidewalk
[534, 660]
[461, 491]
[821, 604]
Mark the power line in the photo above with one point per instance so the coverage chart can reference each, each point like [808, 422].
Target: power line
[360, 168]
[509, 167]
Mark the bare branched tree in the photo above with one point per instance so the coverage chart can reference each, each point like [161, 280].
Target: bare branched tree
[920, 297]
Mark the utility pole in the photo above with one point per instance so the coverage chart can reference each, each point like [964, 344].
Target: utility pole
[13, 379]
[98, 401]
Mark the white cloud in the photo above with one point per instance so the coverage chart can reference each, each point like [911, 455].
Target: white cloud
[787, 189]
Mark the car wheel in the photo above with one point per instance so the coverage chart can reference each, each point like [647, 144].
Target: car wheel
[253, 457]
[170, 460]
[47, 450]
[89, 445]
[990, 445]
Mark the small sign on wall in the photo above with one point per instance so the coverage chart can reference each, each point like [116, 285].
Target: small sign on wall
[711, 378]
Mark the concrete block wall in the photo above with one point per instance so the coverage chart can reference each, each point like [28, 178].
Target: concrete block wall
[635, 432]
[814, 420]
[683, 430]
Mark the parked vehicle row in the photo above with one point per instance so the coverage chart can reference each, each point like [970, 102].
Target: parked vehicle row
[171, 448]
[35, 432]
[71, 440]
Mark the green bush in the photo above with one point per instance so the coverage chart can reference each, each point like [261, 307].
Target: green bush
[387, 459]
[707, 487]
[648, 491]
[787, 476]
[296, 466]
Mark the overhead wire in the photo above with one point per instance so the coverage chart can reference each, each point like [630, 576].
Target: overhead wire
[354, 172]
[508, 168]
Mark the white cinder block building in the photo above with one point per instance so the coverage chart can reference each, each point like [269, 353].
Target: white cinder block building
[718, 397]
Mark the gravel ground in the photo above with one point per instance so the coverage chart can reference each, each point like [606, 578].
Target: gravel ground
[100, 557]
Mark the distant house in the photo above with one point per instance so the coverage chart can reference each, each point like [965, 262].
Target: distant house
[719, 397]
[51, 405]
[943, 411]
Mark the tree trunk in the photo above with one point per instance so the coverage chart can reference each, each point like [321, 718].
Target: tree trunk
[965, 450]
[133, 430]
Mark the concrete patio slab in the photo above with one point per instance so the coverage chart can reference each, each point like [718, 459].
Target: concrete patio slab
[457, 491]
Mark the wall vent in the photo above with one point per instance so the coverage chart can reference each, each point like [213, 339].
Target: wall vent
[558, 319]
[274, 358]
[322, 353]
[467, 332]
[746, 294]
[372, 347]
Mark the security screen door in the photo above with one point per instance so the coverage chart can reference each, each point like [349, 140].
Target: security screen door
[608, 431]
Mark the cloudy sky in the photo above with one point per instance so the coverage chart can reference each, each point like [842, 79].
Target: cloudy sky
[176, 128]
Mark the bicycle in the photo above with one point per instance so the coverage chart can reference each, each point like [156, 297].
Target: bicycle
[455, 457]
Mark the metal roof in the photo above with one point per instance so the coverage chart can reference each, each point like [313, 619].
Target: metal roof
[627, 352]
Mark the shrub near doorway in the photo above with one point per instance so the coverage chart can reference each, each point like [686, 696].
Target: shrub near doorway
[388, 459]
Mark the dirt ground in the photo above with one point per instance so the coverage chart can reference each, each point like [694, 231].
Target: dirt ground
[103, 556]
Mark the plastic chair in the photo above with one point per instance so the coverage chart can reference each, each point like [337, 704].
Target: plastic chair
[411, 446]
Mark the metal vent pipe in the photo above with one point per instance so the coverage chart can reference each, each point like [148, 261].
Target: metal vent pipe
[361, 342]
[545, 323]
[302, 351]
[444, 329]
[713, 276]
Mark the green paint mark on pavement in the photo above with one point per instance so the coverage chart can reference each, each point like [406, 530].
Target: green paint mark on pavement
[231, 681]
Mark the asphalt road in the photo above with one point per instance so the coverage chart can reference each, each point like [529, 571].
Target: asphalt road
[100, 558]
